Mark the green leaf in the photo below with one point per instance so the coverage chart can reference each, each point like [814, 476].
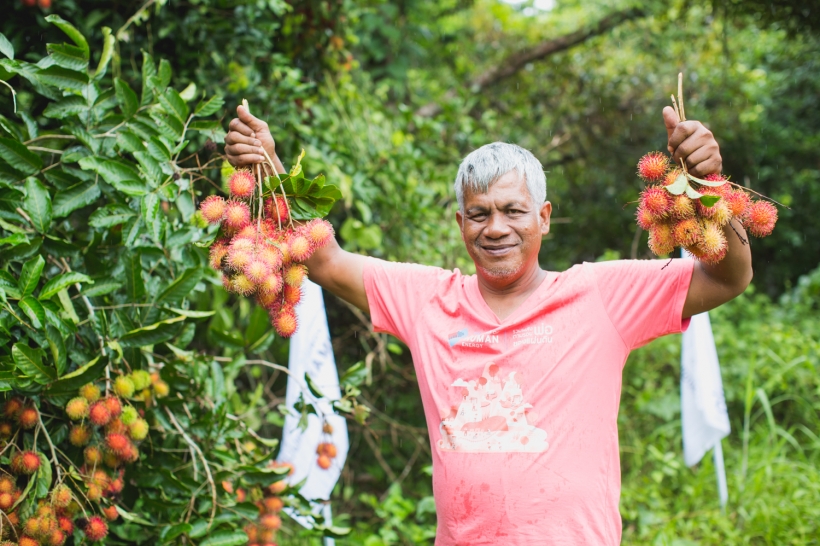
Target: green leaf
[44, 478]
[691, 193]
[101, 289]
[129, 142]
[30, 362]
[171, 532]
[9, 285]
[68, 385]
[19, 157]
[225, 538]
[66, 107]
[68, 56]
[5, 47]
[70, 31]
[126, 97]
[133, 277]
[158, 150]
[164, 73]
[153, 334]
[110, 215]
[30, 275]
[192, 314]
[313, 387]
[710, 183]
[108, 50]
[64, 280]
[207, 107]
[38, 204]
[119, 174]
[709, 200]
[174, 105]
[14, 239]
[203, 125]
[63, 78]
[678, 186]
[128, 516]
[33, 310]
[181, 287]
[151, 216]
[75, 197]
[57, 347]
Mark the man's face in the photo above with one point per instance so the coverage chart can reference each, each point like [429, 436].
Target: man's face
[502, 229]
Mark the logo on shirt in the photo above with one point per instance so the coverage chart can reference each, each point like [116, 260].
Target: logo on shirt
[491, 416]
[463, 338]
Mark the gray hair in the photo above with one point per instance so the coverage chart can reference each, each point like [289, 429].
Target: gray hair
[482, 167]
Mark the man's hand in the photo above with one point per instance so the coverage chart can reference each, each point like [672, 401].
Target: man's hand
[692, 142]
[246, 138]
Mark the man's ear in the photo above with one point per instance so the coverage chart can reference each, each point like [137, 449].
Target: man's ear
[460, 222]
[545, 213]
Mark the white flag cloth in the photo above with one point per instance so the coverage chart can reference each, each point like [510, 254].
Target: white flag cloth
[703, 407]
[311, 353]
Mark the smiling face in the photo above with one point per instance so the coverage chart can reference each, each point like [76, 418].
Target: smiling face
[502, 229]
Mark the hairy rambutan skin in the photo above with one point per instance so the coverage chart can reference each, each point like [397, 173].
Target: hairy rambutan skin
[227, 282]
[66, 525]
[124, 386]
[760, 218]
[138, 430]
[6, 430]
[216, 254]
[653, 166]
[318, 232]
[719, 212]
[129, 414]
[671, 176]
[7, 485]
[241, 183]
[277, 210]
[99, 414]
[79, 435]
[687, 232]
[268, 300]
[28, 541]
[713, 241]
[661, 239]
[213, 209]
[25, 462]
[248, 232]
[738, 202]
[293, 294]
[77, 408]
[257, 271]
[92, 456]
[119, 444]
[56, 538]
[300, 248]
[285, 323]
[237, 215]
[141, 379]
[61, 496]
[12, 408]
[90, 392]
[682, 207]
[95, 529]
[240, 253]
[295, 274]
[6, 501]
[243, 285]
[28, 417]
[656, 200]
[270, 255]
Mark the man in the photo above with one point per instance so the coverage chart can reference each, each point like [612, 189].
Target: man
[520, 368]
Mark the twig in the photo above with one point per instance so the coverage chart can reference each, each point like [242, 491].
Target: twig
[51, 446]
[48, 150]
[680, 97]
[378, 454]
[124, 27]
[50, 137]
[13, 95]
[195, 447]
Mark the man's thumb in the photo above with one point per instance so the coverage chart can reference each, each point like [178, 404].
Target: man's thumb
[245, 116]
[670, 119]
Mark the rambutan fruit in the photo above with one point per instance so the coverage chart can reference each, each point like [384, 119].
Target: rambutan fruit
[327, 428]
[300, 249]
[323, 461]
[6, 500]
[718, 212]
[272, 284]
[66, 525]
[293, 294]
[216, 254]
[110, 513]
[114, 405]
[100, 478]
[318, 232]
[138, 430]
[656, 200]
[256, 271]
[115, 487]
[90, 392]
[56, 538]
[241, 495]
[28, 417]
[92, 456]
[243, 285]
[61, 496]
[270, 521]
[161, 389]
[124, 386]
[716, 177]
[111, 460]
[116, 426]
[295, 274]
[285, 323]
[141, 379]
[240, 253]
[687, 232]
[25, 462]
[241, 183]
[671, 176]
[326, 448]
[653, 166]
[99, 414]
[237, 215]
[129, 415]
[77, 408]
[14, 518]
[12, 408]
[284, 248]
[277, 210]
[267, 299]
[273, 504]
[95, 528]
[6, 430]
[28, 541]
[682, 207]
[760, 218]
[278, 487]
[227, 282]
[738, 201]
[252, 532]
[79, 435]
[94, 493]
[7, 484]
[32, 526]
[119, 444]
[213, 209]
[270, 255]
[713, 241]
[266, 537]
[248, 232]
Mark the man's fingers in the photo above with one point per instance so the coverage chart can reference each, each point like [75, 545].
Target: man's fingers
[242, 149]
[253, 122]
[240, 127]
[670, 119]
[712, 165]
[238, 138]
[697, 157]
[683, 131]
[244, 159]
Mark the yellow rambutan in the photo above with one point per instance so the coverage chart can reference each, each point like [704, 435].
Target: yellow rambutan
[217, 253]
[285, 322]
[79, 435]
[243, 285]
[237, 215]
[318, 232]
[671, 176]
[241, 183]
[77, 408]
[293, 294]
[687, 232]
[295, 274]
[90, 392]
[682, 207]
[300, 248]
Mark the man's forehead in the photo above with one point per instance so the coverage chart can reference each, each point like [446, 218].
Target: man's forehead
[509, 188]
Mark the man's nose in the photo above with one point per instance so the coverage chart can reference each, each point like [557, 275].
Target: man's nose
[497, 226]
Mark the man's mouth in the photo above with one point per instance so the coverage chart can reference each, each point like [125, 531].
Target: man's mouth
[497, 249]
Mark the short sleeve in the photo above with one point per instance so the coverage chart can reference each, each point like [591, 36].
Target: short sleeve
[397, 292]
[644, 298]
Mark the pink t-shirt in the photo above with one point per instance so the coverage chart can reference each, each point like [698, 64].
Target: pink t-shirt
[522, 413]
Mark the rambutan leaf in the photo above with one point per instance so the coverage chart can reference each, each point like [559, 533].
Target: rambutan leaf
[678, 186]
[709, 200]
[691, 193]
[711, 183]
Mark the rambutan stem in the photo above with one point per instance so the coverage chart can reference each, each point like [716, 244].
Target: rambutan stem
[259, 211]
[766, 197]
[680, 97]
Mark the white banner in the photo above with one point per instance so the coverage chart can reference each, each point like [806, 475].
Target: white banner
[311, 353]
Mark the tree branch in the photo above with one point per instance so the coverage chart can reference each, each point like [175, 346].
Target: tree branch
[515, 62]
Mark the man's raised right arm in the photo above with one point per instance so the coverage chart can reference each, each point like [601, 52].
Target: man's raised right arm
[331, 267]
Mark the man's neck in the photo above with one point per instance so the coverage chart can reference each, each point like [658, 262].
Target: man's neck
[503, 298]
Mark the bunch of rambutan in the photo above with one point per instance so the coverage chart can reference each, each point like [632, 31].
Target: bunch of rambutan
[676, 214]
[262, 256]
[263, 531]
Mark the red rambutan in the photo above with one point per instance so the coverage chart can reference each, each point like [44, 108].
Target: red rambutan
[66, 525]
[217, 252]
[760, 218]
[240, 253]
[213, 209]
[270, 255]
[295, 274]
[79, 435]
[318, 232]
[99, 414]
[56, 538]
[6, 500]
[273, 504]
[119, 444]
[25, 462]
[95, 528]
[268, 300]
[671, 176]
[285, 322]
[26, 540]
[77, 408]
[738, 201]
[237, 215]
[278, 212]
[257, 271]
[687, 232]
[718, 212]
[653, 166]
[7, 485]
[241, 183]
[656, 200]
[28, 417]
[682, 207]
[115, 487]
[248, 232]
[270, 521]
[114, 405]
[293, 294]
[6, 430]
[110, 513]
[272, 284]
[300, 249]
[12, 408]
